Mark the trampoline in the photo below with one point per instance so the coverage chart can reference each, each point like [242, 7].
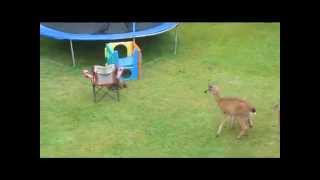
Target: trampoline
[104, 31]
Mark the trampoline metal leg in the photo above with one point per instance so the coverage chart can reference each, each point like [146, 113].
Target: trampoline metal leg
[72, 53]
[176, 41]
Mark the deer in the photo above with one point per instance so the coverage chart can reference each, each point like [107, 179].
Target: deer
[234, 109]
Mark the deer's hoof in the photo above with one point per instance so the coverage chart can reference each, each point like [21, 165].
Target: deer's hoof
[217, 135]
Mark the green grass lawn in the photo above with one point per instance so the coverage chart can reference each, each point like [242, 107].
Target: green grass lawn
[166, 114]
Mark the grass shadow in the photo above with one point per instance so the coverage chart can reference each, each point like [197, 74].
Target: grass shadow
[162, 44]
[88, 53]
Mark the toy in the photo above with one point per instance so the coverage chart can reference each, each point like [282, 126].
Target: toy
[131, 63]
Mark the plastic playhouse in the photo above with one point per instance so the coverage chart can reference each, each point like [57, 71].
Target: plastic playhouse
[131, 62]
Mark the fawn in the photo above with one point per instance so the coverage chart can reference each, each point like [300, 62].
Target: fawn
[235, 108]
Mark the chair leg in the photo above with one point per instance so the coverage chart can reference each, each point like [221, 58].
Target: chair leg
[118, 95]
[115, 90]
[94, 93]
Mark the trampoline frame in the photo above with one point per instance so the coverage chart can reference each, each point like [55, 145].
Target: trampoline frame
[133, 38]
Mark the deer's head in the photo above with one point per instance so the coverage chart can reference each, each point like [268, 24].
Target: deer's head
[213, 89]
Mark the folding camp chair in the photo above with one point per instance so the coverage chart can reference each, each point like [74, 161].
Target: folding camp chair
[105, 77]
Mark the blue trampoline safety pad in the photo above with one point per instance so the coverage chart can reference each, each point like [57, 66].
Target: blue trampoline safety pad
[63, 35]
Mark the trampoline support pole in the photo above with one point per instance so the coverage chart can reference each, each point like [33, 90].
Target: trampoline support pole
[72, 53]
[176, 41]
[134, 30]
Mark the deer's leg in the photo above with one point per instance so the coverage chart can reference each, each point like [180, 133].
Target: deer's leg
[250, 122]
[230, 118]
[243, 126]
[232, 121]
[220, 127]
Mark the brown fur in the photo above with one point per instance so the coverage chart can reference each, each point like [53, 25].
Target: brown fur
[235, 108]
